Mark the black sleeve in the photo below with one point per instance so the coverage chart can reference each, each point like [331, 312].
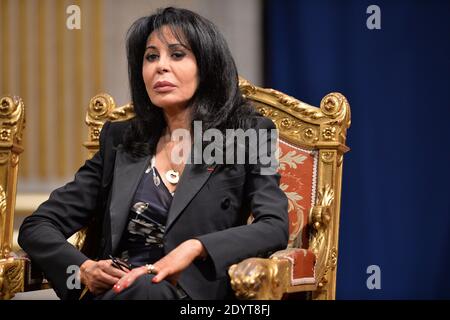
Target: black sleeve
[43, 235]
[269, 230]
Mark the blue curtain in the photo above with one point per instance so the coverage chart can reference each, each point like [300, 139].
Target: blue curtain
[395, 210]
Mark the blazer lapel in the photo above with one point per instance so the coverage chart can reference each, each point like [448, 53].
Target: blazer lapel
[127, 174]
[191, 181]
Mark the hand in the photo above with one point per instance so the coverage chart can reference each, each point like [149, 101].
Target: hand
[177, 260]
[169, 266]
[129, 278]
[99, 276]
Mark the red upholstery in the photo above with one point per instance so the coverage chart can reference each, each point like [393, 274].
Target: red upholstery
[298, 169]
[303, 262]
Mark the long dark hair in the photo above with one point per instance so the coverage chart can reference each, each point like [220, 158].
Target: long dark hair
[217, 102]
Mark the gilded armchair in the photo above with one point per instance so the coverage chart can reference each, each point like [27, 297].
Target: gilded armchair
[311, 149]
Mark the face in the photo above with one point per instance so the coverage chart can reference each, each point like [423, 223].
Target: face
[169, 70]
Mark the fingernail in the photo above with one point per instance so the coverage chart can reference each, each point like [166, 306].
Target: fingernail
[116, 288]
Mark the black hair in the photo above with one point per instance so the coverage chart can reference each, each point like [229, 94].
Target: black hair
[217, 102]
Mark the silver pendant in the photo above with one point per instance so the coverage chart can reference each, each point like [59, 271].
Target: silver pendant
[156, 180]
[140, 207]
[172, 176]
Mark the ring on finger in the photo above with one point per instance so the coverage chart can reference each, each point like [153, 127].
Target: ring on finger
[150, 268]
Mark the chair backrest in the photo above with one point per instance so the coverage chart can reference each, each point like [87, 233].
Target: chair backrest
[311, 147]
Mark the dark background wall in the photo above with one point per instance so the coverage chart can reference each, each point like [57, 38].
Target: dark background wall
[395, 206]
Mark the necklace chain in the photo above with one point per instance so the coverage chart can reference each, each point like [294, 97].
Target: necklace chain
[172, 175]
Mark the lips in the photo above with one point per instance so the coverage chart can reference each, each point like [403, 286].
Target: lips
[163, 86]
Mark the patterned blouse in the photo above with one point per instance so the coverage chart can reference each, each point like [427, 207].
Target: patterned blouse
[143, 239]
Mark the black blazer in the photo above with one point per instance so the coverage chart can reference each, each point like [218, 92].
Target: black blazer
[212, 206]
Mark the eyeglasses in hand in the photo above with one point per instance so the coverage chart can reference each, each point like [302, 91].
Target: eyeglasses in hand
[120, 264]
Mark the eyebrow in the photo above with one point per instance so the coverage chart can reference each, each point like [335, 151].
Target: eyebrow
[171, 46]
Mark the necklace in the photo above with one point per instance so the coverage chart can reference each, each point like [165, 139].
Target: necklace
[173, 176]
[156, 179]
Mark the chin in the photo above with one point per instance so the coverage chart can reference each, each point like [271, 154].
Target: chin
[166, 104]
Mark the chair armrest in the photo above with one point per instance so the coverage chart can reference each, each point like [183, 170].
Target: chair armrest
[302, 262]
[260, 279]
[33, 277]
[286, 271]
[12, 271]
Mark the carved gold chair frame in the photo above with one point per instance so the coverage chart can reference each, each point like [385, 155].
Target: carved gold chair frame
[322, 129]
[12, 124]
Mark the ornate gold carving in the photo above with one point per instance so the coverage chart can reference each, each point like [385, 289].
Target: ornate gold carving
[12, 272]
[340, 160]
[14, 160]
[333, 258]
[291, 128]
[6, 106]
[5, 134]
[95, 133]
[80, 236]
[123, 113]
[331, 104]
[102, 108]
[12, 123]
[246, 87]
[327, 156]
[4, 156]
[12, 120]
[262, 111]
[285, 123]
[308, 112]
[2, 209]
[320, 214]
[299, 122]
[99, 106]
[329, 133]
[310, 135]
[324, 292]
[5, 246]
[260, 279]
[270, 113]
[322, 283]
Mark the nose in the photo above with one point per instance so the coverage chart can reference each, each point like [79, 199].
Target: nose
[162, 65]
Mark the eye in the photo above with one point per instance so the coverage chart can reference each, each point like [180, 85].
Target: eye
[178, 55]
[151, 57]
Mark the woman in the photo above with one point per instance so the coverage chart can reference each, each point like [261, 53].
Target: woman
[178, 224]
